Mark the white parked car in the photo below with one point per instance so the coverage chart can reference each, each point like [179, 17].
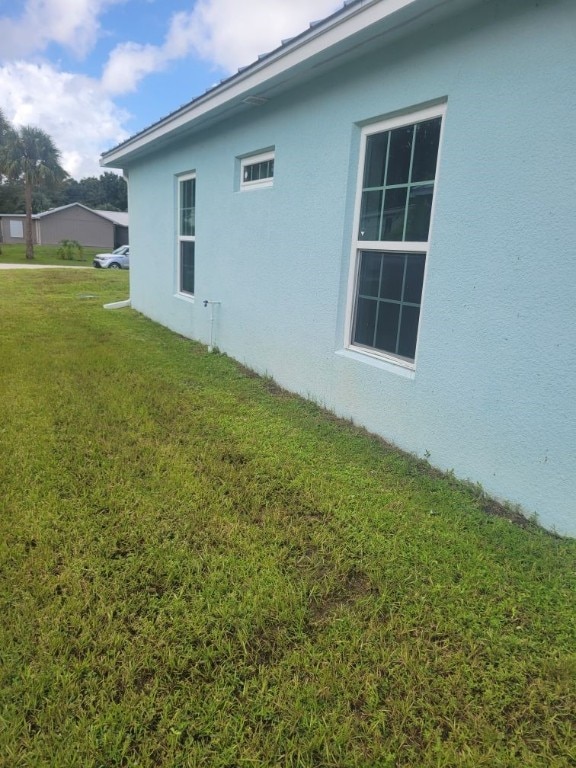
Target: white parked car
[118, 259]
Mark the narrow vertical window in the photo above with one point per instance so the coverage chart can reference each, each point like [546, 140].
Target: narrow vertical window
[396, 191]
[186, 233]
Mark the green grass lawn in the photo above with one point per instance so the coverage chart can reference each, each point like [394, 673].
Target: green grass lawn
[44, 254]
[201, 570]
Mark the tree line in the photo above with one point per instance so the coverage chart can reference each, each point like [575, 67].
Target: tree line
[32, 179]
[107, 192]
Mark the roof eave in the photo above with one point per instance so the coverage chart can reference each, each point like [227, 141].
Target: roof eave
[350, 21]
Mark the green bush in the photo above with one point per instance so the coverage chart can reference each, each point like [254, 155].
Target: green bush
[70, 250]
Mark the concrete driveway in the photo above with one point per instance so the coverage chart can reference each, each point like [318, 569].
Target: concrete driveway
[41, 266]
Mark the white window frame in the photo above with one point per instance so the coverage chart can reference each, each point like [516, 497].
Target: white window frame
[184, 238]
[395, 246]
[261, 157]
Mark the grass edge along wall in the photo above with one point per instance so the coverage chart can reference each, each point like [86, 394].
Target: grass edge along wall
[484, 387]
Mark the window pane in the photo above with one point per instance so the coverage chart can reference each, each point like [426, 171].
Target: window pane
[187, 207]
[408, 332]
[426, 150]
[370, 216]
[400, 152]
[414, 277]
[387, 328]
[375, 163]
[187, 266]
[184, 195]
[389, 322]
[369, 278]
[394, 210]
[419, 209]
[365, 322]
[392, 276]
[258, 171]
[188, 193]
[187, 222]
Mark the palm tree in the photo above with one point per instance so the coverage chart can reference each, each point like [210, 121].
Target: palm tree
[5, 132]
[4, 124]
[4, 129]
[29, 155]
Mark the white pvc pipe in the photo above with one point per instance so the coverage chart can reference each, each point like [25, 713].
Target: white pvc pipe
[117, 304]
[207, 302]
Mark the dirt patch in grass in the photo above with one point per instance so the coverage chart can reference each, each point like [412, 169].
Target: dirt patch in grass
[354, 586]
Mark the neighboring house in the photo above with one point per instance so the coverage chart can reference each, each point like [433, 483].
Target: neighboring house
[100, 229]
[383, 208]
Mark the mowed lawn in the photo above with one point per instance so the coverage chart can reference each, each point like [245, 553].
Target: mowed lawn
[198, 569]
[48, 254]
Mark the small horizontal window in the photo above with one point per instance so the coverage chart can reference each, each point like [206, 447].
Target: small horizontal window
[257, 171]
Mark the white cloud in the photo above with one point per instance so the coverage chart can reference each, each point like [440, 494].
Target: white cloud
[225, 33]
[72, 24]
[128, 64]
[73, 109]
[232, 34]
[79, 112]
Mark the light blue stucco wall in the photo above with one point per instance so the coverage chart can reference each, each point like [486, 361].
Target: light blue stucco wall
[493, 394]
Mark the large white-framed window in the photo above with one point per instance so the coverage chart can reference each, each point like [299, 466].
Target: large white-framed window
[186, 233]
[394, 205]
[257, 171]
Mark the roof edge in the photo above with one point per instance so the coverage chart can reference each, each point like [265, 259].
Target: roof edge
[50, 211]
[353, 17]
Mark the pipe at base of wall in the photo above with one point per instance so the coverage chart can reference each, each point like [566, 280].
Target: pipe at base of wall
[212, 304]
[117, 304]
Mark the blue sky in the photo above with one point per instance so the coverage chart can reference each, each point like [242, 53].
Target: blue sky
[93, 72]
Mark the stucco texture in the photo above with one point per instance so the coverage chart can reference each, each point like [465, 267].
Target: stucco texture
[492, 397]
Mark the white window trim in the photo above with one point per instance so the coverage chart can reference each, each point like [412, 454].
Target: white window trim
[183, 238]
[261, 157]
[408, 118]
